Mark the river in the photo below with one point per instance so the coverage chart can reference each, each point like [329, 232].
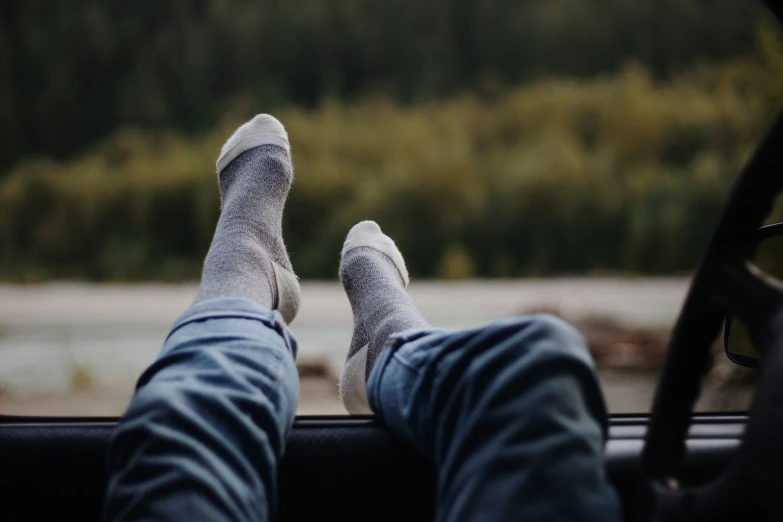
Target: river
[76, 349]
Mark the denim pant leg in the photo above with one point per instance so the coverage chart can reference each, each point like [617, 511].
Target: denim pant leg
[207, 426]
[512, 414]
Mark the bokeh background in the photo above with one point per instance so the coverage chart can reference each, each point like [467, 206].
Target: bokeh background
[589, 143]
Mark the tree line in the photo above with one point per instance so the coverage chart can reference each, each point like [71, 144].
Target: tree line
[618, 174]
[72, 72]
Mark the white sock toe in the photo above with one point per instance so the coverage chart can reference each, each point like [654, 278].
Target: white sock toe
[263, 129]
[368, 234]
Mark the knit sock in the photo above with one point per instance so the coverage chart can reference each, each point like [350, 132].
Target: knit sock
[374, 276]
[247, 257]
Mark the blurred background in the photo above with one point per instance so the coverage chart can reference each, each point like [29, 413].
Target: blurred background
[567, 156]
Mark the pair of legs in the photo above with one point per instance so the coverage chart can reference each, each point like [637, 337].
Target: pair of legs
[511, 414]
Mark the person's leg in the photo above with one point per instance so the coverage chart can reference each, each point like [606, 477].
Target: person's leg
[207, 425]
[374, 277]
[511, 414]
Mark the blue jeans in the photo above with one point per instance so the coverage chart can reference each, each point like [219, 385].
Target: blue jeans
[511, 414]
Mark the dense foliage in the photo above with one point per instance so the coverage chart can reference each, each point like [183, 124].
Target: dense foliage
[73, 71]
[490, 138]
[619, 173]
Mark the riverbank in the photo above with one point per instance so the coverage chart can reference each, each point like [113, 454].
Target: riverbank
[77, 349]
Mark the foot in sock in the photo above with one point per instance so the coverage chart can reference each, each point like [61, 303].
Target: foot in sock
[374, 276]
[247, 257]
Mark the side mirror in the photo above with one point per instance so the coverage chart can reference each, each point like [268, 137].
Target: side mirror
[768, 257]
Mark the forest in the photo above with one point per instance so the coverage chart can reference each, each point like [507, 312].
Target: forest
[490, 138]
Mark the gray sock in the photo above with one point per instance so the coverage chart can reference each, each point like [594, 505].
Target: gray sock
[247, 257]
[374, 277]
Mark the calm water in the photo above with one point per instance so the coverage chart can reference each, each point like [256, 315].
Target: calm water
[92, 341]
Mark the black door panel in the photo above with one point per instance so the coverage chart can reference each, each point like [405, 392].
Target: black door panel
[334, 469]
